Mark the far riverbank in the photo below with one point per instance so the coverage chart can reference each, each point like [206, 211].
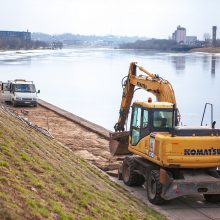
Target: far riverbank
[207, 50]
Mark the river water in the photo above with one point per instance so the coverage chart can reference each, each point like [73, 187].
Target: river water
[87, 82]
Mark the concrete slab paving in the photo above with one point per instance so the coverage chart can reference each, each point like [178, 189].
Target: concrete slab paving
[174, 204]
[184, 208]
[186, 214]
[199, 202]
[212, 213]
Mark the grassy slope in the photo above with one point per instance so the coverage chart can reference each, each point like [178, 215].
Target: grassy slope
[40, 178]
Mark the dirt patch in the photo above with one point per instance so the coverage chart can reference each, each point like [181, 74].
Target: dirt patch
[84, 143]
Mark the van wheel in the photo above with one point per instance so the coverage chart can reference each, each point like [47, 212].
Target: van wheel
[212, 197]
[154, 188]
[129, 176]
[14, 103]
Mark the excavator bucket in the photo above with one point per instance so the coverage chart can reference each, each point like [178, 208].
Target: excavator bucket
[118, 144]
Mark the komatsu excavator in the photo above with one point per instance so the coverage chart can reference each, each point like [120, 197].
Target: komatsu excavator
[169, 159]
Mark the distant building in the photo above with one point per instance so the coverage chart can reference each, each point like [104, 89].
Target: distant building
[191, 40]
[22, 35]
[214, 30]
[179, 35]
[15, 39]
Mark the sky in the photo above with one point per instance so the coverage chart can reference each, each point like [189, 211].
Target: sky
[147, 18]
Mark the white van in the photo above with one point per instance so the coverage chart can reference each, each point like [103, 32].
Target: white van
[20, 92]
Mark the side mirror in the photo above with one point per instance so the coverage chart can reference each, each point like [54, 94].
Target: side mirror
[38, 91]
[213, 124]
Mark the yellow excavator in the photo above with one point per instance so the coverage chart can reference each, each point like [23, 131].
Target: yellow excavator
[169, 159]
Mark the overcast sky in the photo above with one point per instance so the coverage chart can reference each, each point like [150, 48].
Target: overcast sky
[149, 18]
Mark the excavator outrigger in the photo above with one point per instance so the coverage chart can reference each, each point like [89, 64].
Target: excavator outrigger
[171, 160]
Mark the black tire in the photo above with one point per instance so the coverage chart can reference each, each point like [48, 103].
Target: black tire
[129, 176]
[212, 197]
[120, 173]
[154, 188]
[140, 180]
[14, 103]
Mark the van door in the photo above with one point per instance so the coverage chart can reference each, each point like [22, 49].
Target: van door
[6, 95]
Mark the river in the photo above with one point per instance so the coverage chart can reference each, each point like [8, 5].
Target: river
[87, 82]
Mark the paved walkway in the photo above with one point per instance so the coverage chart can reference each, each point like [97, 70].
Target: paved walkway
[184, 208]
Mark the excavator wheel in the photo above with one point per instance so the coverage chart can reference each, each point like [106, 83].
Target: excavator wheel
[154, 188]
[129, 176]
[120, 173]
[212, 197]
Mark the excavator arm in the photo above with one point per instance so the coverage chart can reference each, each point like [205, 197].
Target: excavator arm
[161, 88]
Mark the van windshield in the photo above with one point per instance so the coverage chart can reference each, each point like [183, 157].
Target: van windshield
[24, 88]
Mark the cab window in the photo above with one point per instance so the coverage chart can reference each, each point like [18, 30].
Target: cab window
[145, 119]
[136, 121]
[162, 119]
[136, 125]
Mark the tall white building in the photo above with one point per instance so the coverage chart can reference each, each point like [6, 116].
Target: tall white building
[179, 35]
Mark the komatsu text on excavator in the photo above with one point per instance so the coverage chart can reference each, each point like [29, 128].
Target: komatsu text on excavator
[169, 159]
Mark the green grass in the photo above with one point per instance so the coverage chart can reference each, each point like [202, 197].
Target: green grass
[42, 179]
[38, 208]
[4, 164]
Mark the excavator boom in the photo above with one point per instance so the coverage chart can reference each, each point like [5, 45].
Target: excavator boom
[150, 82]
[159, 87]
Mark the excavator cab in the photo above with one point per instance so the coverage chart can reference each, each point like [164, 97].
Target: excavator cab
[146, 118]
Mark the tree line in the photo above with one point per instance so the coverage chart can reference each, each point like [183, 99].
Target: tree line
[166, 45]
[17, 44]
[156, 44]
